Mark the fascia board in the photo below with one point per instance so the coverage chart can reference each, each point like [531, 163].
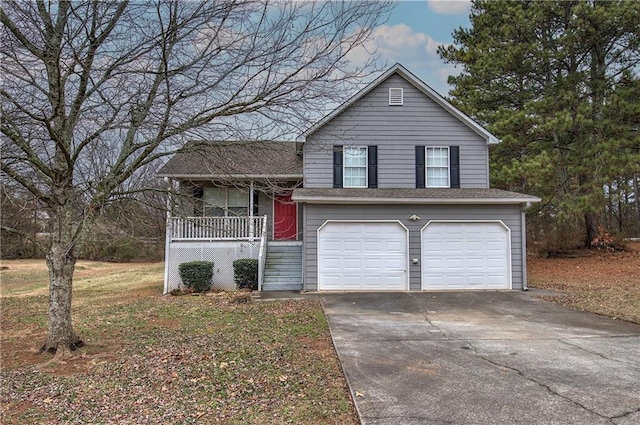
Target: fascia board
[422, 201]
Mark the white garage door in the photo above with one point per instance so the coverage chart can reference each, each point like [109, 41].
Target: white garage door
[362, 256]
[466, 255]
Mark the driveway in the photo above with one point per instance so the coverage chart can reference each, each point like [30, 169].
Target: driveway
[483, 358]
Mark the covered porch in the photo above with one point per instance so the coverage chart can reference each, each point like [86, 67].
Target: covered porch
[231, 200]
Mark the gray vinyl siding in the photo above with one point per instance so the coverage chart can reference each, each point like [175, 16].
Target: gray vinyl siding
[265, 207]
[396, 130]
[316, 215]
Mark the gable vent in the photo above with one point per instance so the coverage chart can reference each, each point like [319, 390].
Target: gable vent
[396, 97]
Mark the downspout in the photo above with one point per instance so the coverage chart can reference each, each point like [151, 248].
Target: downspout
[167, 236]
[523, 238]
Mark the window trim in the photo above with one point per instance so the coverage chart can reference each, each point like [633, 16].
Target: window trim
[225, 207]
[426, 166]
[365, 166]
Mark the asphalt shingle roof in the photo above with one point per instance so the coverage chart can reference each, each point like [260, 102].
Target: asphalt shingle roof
[480, 195]
[235, 159]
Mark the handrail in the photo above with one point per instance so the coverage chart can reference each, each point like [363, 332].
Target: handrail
[262, 253]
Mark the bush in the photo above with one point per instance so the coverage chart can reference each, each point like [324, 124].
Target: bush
[196, 274]
[245, 273]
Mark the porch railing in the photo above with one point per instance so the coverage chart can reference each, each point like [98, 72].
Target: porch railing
[217, 228]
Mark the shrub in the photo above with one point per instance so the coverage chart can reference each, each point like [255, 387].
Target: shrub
[196, 274]
[245, 273]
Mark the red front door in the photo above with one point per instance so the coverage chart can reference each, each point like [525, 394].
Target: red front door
[285, 218]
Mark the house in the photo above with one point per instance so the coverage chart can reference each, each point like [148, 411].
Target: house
[388, 192]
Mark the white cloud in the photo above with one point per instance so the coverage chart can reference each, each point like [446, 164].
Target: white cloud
[450, 7]
[417, 51]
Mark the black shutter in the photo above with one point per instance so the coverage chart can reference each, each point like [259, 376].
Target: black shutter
[337, 166]
[454, 166]
[420, 164]
[372, 159]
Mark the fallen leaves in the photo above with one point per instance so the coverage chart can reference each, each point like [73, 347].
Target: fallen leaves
[606, 283]
[216, 363]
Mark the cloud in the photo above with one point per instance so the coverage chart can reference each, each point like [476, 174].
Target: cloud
[417, 51]
[450, 7]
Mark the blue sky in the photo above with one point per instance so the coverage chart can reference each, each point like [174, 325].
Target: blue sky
[413, 33]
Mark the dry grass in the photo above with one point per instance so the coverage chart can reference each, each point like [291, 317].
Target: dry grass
[159, 359]
[606, 283]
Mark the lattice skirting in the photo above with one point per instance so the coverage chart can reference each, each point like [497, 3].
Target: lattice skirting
[223, 254]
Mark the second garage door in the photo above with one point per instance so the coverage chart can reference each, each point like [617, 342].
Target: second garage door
[466, 255]
[362, 256]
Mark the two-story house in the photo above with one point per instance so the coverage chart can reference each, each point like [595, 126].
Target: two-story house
[388, 192]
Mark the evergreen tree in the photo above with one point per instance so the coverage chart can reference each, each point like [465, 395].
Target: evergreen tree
[549, 78]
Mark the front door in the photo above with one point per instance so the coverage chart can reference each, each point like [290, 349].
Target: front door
[285, 218]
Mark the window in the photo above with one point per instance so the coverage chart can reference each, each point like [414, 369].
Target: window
[437, 166]
[221, 202]
[355, 166]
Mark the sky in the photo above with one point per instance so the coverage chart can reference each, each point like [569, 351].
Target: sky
[413, 33]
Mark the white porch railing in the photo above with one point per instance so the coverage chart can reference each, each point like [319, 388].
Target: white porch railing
[262, 254]
[217, 228]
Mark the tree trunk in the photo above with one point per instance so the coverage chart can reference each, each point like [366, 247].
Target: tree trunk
[591, 228]
[636, 197]
[61, 261]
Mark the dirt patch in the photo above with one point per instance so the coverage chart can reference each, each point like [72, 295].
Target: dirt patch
[318, 346]
[601, 282]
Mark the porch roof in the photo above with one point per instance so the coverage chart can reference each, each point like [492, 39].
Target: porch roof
[411, 196]
[239, 160]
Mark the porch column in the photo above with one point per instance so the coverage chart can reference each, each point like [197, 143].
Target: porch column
[251, 201]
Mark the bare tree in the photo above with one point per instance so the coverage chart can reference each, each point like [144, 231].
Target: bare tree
[94, 91]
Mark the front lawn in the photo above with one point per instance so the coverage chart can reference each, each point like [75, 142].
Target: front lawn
[155, 359]
[606, 283]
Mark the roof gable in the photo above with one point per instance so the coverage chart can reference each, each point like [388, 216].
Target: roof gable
[420, 85]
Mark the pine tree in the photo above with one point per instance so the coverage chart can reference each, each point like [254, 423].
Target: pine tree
[543, 77]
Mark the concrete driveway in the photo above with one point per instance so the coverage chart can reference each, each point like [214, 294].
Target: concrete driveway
[483, 358]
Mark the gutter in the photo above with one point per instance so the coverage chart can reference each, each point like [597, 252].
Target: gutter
[424, 201]
[230, 176]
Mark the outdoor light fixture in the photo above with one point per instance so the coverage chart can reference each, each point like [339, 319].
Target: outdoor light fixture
[414, 218]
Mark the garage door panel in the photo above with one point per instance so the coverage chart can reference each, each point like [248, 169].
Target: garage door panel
[352, 246]
[332, 246]
[465, 255]
[373, 256]
[395, 264]
[373, 246]
[330, 263]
